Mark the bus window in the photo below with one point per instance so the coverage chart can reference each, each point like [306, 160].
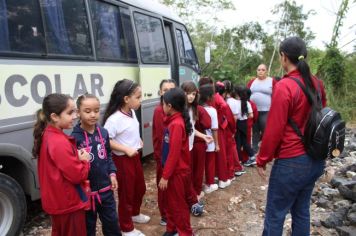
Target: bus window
[21, 27]
[128, 31]
[66, 27]
[108, 32]
[151, 40]
[186, 51]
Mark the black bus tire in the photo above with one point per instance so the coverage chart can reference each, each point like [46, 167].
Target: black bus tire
[12, 206]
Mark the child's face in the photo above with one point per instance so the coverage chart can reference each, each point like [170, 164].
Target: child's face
[191, 96]
[165, 87]
[134, 100]
[89, 111]
[65, 120]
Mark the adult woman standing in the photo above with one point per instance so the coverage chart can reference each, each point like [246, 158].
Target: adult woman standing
[261, 88]
[293, 173]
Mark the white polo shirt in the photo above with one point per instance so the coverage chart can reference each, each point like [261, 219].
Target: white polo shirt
[214, 126]
[124, 130]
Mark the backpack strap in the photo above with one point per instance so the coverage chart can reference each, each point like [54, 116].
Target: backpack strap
[309, 98]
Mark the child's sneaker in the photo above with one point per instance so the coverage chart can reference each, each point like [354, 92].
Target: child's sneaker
[141, 219]
[210, 188]
[134, 232]
[197, 209]
[224, 184]
[250, 162]
[240, 172]
[175, 233]
[163, 222]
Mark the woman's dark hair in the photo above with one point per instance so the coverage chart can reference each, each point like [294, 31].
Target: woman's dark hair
[54, 103]
[167, 81]
[229, 88]
[83, 97]
[242, 92]
[220, 87]
[190, 87]
[176, 97]
[206, 93]
[121, 89]
[295, 50]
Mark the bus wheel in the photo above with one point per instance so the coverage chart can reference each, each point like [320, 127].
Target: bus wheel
[12, 206]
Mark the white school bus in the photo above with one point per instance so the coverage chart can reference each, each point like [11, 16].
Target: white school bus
[73, 47]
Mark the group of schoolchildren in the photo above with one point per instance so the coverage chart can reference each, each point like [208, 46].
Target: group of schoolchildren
[201, 134]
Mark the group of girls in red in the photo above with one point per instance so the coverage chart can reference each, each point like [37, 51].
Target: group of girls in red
[196, 140]
[108, 157]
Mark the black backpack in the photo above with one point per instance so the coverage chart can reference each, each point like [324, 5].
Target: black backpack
[328, 139]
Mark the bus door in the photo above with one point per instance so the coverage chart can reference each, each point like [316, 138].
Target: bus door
[172, 52]
[188, 63]
[153, 68]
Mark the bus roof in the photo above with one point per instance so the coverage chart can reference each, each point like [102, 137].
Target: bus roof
[154, 7]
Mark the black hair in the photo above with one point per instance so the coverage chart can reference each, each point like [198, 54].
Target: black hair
[83, 97]
[190, 87]
[176, 97]
[167, 81]
[206, 93]
[242, 92]
[295, 50]
[220, 88]
[229, 88]
[205, 80]
[121, 89]
[54, 103]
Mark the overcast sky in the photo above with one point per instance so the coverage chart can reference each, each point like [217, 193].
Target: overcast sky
[321, 23]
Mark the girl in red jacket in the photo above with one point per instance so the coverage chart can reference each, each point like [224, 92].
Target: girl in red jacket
[176, 177]
[201, 121]
[294, 172]
[61, 168]
[157, 134]
[125, 142]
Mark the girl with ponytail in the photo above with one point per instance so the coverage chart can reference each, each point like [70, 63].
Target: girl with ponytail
[176, 177]
[61, 168]
[293, 173]
[125, 142]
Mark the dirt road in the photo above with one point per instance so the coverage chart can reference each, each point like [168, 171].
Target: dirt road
[236, 210]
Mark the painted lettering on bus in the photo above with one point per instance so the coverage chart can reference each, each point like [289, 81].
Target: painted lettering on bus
[42, 81]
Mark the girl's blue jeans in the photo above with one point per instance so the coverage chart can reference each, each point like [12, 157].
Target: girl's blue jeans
[290, 188]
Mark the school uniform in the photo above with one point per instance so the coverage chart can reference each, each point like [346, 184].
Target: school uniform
[250, 121]
[61, 172]
[199, 147]
[232, 154]
[102, 167]
[157, 134]
[176, 169]
[125, 129]
[221, 162]
[210, 149]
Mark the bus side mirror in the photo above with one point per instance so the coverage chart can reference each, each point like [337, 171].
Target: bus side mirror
[207, 55]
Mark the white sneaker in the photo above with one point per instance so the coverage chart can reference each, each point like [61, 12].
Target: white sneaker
[224, 184]
[141, 219]
[134, 232]
[210, 188]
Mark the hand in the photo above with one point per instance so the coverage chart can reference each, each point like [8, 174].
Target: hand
[262, 172]
[131, 152]
[83, 155]
[208, 139]
[217, 148]
[141, 143]
[163, 184]
[114, 184]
